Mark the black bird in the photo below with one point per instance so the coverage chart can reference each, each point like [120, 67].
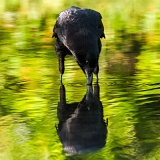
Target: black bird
[78, 32]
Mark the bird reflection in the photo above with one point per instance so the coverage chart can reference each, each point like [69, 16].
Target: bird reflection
[81, 127]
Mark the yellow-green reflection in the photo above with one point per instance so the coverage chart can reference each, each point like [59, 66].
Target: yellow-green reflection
[129, 79]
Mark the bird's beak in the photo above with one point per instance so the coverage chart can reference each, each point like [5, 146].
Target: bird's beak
[89, 92]
[89, 75]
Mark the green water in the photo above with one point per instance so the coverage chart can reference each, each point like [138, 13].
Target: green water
[129, 84]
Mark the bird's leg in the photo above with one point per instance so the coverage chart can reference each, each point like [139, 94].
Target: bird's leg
[97, 78]
[60, 78]
[61, 67]
[96, 70]
[97, 90]
[62, 95]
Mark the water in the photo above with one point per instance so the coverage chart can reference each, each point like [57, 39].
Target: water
[41, 120]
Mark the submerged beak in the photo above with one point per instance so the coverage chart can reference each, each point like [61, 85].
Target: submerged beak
[89, 92]
[89, 76]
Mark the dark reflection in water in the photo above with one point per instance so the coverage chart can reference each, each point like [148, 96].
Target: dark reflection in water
[81, 127]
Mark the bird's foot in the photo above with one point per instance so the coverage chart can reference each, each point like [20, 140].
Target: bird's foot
[61, 79]
[97, 79]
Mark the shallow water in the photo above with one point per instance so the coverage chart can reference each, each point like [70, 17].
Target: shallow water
[41, 120]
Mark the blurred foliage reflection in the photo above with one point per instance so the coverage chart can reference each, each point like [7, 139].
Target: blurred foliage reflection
[129, 79]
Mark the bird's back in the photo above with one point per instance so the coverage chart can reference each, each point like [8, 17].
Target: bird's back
[75, 19]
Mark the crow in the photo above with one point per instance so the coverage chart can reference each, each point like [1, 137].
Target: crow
[78, 32]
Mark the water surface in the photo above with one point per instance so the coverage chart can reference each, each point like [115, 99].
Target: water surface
[118, 120]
